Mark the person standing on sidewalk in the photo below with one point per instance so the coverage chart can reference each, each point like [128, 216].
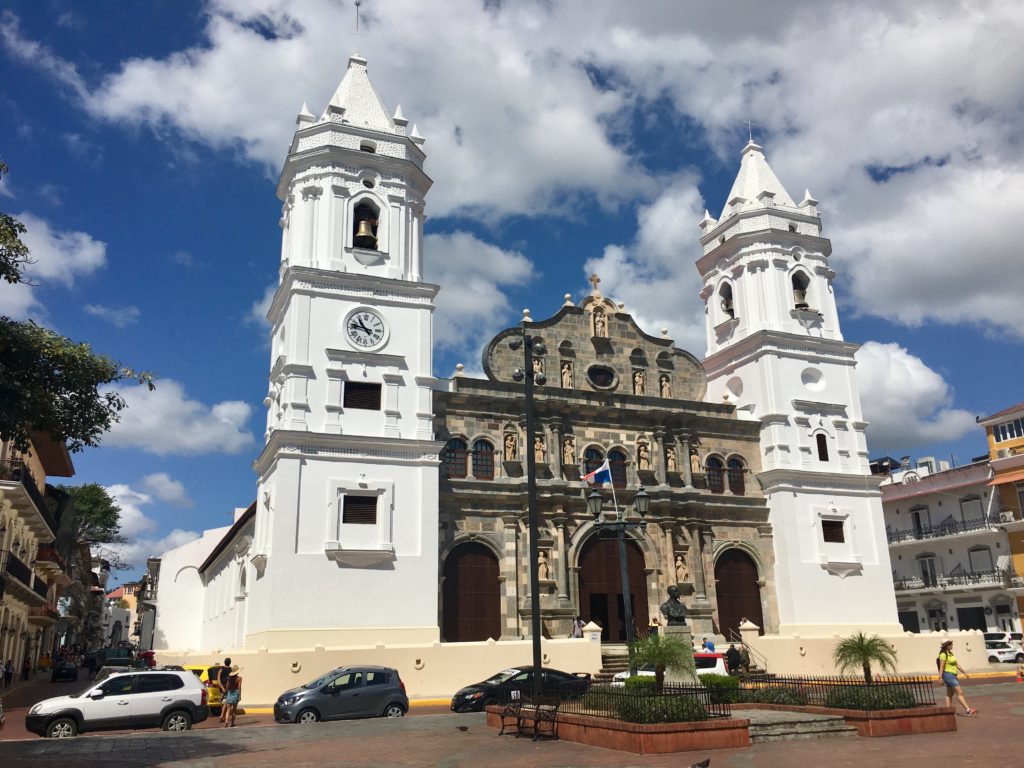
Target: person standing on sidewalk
[26, 667]
[232, 695]
[8, 673]
[949, 669]
[223, 673]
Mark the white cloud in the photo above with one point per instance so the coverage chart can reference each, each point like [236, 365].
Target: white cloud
[136, 527]
[471, 304]
[165, 421]
[167, 489]
[133, 519]
[654, 274]
[60, 258]
[907, 403]
[257, 314]
[120, 317]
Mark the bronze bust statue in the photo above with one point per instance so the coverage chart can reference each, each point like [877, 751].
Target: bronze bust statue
[673, 609]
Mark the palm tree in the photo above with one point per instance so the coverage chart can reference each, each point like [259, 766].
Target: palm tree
[859, 650]
[664, 653]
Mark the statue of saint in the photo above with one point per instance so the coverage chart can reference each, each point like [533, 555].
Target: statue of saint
[695, 467]
[670, 459]
[567, 375]
[673, 609]
[600, 324]
[680, 570]
[539, 450]
[666, 386]
[568, 452]
[510, 447]
[639, 379]
[538, 366]
[542, 566]
[643, 453]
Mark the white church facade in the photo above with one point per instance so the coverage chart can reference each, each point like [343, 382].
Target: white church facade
[340, 558]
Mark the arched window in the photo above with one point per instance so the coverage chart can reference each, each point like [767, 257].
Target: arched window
[800, 285]
[617, 462]
[822, 441]
[453, 459]
[483, 460]
[713, 472]
[592, 459]
[725, 301]
[364, 226]
[736, 476]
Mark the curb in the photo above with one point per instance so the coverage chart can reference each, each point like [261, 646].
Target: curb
[413, 704]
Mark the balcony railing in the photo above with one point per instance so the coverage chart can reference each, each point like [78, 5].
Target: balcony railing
[13, 567]
[43, 612]
[999, 577]
[951, 528]
[14, 470]
[48, 554]
[40, 587]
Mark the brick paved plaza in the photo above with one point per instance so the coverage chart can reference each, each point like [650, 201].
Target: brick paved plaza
[435, 740]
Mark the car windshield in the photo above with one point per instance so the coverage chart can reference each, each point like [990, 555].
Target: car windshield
[322, 680]
[503, 676]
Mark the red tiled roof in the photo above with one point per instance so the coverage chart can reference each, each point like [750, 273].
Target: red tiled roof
[119, 592]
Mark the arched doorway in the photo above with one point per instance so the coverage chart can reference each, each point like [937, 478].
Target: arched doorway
[739, 595]
[472, 594]
[600, 584]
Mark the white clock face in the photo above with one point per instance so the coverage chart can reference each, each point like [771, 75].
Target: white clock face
[365, 328]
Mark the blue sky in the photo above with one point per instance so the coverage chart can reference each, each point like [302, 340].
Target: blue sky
[144, 141]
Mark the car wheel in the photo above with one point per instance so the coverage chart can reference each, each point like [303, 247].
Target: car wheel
[177, 721]
[62, 728]
[993, 659]
[394, 710]
[308, 716]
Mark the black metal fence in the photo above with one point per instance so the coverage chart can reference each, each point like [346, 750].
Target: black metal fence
[675, 703]
[838, 692]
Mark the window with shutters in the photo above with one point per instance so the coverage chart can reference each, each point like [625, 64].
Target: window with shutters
[359, 510]
[822, 442]
[714, 474]
[362, 396]
[453, 459]
[483, 460]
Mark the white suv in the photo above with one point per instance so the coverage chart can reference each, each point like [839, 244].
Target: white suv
[170, 699]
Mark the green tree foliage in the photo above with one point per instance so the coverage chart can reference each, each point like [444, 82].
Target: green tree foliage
[13, 253]
[97, 516]
[665, 653]
[49, 383]
[862, 651]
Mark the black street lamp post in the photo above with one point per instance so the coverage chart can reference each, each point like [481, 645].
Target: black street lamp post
[619, 524]
[527, 375]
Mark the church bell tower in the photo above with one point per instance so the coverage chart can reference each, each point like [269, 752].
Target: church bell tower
[776, 353]
[346, 517]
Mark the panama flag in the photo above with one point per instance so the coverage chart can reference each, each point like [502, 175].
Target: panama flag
[602, 474]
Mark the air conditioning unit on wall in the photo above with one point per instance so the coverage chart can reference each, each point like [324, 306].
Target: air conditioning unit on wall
[1003, 453]
[1006, 516]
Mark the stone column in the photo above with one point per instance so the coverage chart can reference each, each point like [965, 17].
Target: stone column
[510, 580]
[658, 459]
[561, 573]
[685, 459]
[701, 610]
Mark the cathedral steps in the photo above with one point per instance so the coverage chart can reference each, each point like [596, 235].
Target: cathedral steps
[766, 726]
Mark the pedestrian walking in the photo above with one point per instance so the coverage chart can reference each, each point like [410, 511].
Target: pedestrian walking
[222, 685]
[949, 669]
[745, 660]
[232, 695]
[732, 659]
[577, 627]
[8, 673]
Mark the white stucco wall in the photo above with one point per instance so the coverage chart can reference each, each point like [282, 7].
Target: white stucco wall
[181, 595]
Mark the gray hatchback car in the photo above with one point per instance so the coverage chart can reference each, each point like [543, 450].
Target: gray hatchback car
[342, 693]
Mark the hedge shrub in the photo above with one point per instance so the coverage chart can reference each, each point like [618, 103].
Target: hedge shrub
[723, 689]
[661, 709]
[775, 695]
[871, 698]
[640, 684]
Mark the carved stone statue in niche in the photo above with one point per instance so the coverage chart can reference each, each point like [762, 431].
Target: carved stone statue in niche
[542, 566]
[670, 459]
[567, 375]
[639, 382]
[538, 366]
[680, 570]
[511, 447]
[695, 467]
[539, 450]
[643, 456]
[568, 452]
[600, 323]
[665, 384]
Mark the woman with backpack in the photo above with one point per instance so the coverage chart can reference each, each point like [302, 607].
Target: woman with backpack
[949, 669]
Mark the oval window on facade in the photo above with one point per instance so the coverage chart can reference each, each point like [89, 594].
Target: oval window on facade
[601, 376]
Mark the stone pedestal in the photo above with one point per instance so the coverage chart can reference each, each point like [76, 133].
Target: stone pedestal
[682, 633]
[699, 618]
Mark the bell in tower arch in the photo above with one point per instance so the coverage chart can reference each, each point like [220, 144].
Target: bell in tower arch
[365, 233]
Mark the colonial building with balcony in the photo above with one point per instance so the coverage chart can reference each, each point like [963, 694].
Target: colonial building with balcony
[32, 572]
[949, 547]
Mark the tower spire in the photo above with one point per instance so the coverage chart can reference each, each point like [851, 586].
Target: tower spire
[754, 182]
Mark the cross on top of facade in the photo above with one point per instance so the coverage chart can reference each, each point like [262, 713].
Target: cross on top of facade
[594, 280]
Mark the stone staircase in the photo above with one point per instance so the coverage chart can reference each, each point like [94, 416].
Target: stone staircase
[614, 659]
[774, 725]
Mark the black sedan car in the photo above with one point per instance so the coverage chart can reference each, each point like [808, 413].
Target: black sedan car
[64, 670]
[515, 682]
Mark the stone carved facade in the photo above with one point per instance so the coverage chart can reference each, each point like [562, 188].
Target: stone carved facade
[599, 412]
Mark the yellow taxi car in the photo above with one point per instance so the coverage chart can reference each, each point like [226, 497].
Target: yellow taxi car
[208, 677]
